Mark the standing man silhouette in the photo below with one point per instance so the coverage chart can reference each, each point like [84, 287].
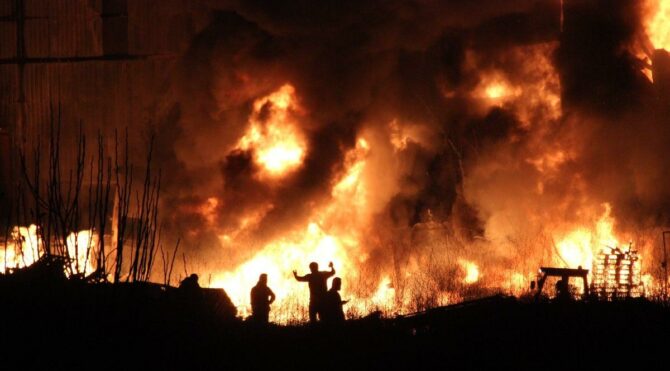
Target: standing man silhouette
[261, 298]
[318, 287]
[332, 308]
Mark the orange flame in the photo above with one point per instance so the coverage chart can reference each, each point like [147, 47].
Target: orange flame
[658, 23]
[471, 271]
[496, 89]
[578, 247]
[277, 145]
[320, 241]
[25, 246]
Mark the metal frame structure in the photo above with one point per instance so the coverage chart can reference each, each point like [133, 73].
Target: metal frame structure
[565, 274]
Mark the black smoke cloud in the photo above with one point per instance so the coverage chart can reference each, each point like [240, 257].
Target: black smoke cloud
[620, 116]
[358, 64]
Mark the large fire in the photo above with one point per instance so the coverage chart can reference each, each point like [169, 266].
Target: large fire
[336, 230]
[460, 188]
[322, 240]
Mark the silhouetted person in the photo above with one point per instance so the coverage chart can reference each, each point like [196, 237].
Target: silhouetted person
[261, 298]
[190, 290]
[317, 288]
[562, 290]
[332, 310]
[190, 283]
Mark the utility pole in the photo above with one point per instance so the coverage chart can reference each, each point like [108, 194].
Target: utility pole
[562, 16]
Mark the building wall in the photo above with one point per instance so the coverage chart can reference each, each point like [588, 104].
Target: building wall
[106, 63]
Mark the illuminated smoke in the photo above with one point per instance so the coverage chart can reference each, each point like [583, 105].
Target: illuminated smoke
[420, 146]
[276, 145]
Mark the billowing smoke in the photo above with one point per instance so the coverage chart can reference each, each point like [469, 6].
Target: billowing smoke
[485, 124]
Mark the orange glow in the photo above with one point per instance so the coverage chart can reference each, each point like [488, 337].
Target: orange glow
[278, 259]
[277, 145]
[440, 266]
[495, 89]
[208, 209]
[25, 246]
[471, 271]
[658, 23]
[517, 282]
[549, 161]
[397, 135]
[80, 245]
[385, 293]
[578, 247]
[575, 249]
[322, 240]
[401, 135]
[534, 87]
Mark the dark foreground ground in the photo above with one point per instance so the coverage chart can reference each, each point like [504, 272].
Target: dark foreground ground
[66, 326]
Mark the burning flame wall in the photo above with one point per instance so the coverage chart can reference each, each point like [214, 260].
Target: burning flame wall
[409, 140]
[424, 147]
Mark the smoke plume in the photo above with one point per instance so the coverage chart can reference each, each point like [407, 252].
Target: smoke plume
[484, 122]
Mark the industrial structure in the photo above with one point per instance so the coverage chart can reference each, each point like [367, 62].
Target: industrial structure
[103, 63]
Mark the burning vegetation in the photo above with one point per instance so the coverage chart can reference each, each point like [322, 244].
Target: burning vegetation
[433, 151]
